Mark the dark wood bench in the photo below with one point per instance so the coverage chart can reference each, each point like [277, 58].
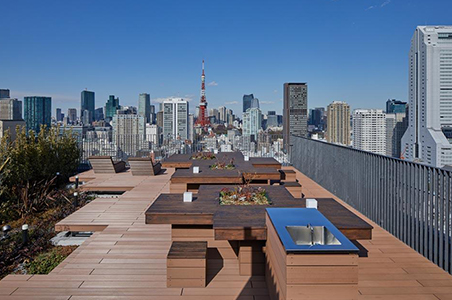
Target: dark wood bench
[187, 264]
[105, 164]
[144, 166]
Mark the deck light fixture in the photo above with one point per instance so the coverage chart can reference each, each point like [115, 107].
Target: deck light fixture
[25, 237]
[195, 170]
[5, 230]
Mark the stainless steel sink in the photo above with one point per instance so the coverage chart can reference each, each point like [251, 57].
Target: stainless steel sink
[312, 235]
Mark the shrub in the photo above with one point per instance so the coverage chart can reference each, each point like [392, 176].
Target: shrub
[29, 167]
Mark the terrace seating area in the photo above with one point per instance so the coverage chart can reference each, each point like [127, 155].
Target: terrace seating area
[126, 258]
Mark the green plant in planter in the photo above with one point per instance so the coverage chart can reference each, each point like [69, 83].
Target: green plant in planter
[222, 165]
[244, 196]
[203, 156]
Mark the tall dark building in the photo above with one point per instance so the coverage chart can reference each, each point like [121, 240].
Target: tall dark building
[99, 114]
[4, 93]
[59, 115]
[111, 107]
[295, 113]
[38, 111]
[317, 117]
[87, 107]
[396, 107]
[247, 101]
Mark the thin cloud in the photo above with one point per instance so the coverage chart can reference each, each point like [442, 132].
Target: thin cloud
[267, 102]
[213, 83]
[371, 7]
[385, 3]
[231, 102]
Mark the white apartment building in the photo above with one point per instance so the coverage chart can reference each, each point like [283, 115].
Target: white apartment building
[175, 119]
[427, 139]
[129, 133]
[369, 130]
[252, 122]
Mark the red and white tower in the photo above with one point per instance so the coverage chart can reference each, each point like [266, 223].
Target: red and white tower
[202, 120]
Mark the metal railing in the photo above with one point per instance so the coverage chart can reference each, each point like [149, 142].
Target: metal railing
[410, 200]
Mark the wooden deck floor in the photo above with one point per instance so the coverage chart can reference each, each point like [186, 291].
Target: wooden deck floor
[126, 259]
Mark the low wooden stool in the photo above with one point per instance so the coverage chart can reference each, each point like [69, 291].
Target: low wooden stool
[186, 264]
[288, 175]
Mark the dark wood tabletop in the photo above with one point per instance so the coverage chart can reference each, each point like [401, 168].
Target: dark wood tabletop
[238, 222]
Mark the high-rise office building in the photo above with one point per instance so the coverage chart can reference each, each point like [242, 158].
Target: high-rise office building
[223, 114]
[152, 120]
[129, 133]
[144, 107]
[255, 103]
[396, 125]
[87, 107]
[175, 119]
[396, 107]
[4, 93]
[99, 114]
[38, 111]
[427, 138]
[252, 122]
[10, 109]
[191, 127]
[272, 119]
[338, 123]
[111, 107]
[58, 115]
[295, 113]
[316, 117]
[369, 130]
[247, 101]
[159, 119]
[72, 115]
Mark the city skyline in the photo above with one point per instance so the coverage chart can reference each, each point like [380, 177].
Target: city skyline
[128, 71]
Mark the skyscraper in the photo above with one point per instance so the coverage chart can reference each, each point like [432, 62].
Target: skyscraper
[38, 111]
[252, 122]
[111, 107]
[369, 130]
[99, 114]
[338, 123]
[272, 119]
[58, 115]
[247, 101]
[396, 125]
[144, 107]
[87, 107]
[223, 114]
[175, 119]
[316, 117]
[4, 93]
[430, 97]
[295, 113]
[10, 109]
[72, 115]
[395, 106]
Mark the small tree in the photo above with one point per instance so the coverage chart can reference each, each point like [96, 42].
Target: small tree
[33, 162]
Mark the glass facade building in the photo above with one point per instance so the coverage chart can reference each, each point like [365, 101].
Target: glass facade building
[111, 107]
[38, 111]
[395, 107]
[87, 107]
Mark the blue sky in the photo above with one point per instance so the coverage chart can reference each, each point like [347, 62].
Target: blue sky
[350, 50]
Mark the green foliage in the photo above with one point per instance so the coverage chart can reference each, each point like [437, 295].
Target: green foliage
[31, 163]
[44, 263]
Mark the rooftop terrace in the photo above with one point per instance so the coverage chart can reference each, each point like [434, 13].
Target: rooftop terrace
[126, 258]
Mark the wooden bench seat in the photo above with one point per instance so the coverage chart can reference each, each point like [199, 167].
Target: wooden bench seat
[186, 264]
[144, 166]
[294, 187]
[105, 164]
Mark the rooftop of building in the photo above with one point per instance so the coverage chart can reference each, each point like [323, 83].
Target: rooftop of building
[126, 258]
